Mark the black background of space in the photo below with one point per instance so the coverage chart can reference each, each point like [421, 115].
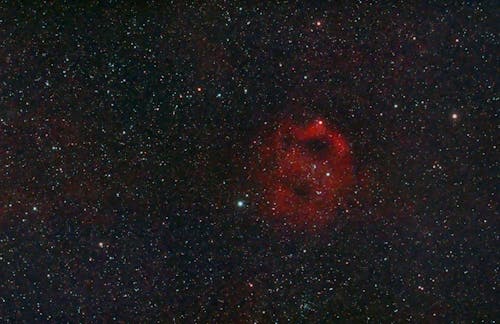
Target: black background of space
[126, 131]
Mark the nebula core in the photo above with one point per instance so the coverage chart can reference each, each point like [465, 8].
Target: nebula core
[306, 171]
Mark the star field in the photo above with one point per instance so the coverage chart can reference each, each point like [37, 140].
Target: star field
[137, 178]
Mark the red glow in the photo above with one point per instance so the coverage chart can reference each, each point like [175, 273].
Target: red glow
[305, 172]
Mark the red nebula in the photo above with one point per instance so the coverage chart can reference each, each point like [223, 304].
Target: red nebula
[305, 171]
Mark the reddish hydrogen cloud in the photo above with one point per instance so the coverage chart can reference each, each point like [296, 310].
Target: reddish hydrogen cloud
[305, 171]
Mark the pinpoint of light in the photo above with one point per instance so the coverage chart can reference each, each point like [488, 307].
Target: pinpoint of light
[454, 116]
[240, 203]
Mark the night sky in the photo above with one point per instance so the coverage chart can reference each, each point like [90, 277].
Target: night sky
[227, 162]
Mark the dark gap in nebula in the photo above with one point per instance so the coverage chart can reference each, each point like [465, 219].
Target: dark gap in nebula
[318, 146]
